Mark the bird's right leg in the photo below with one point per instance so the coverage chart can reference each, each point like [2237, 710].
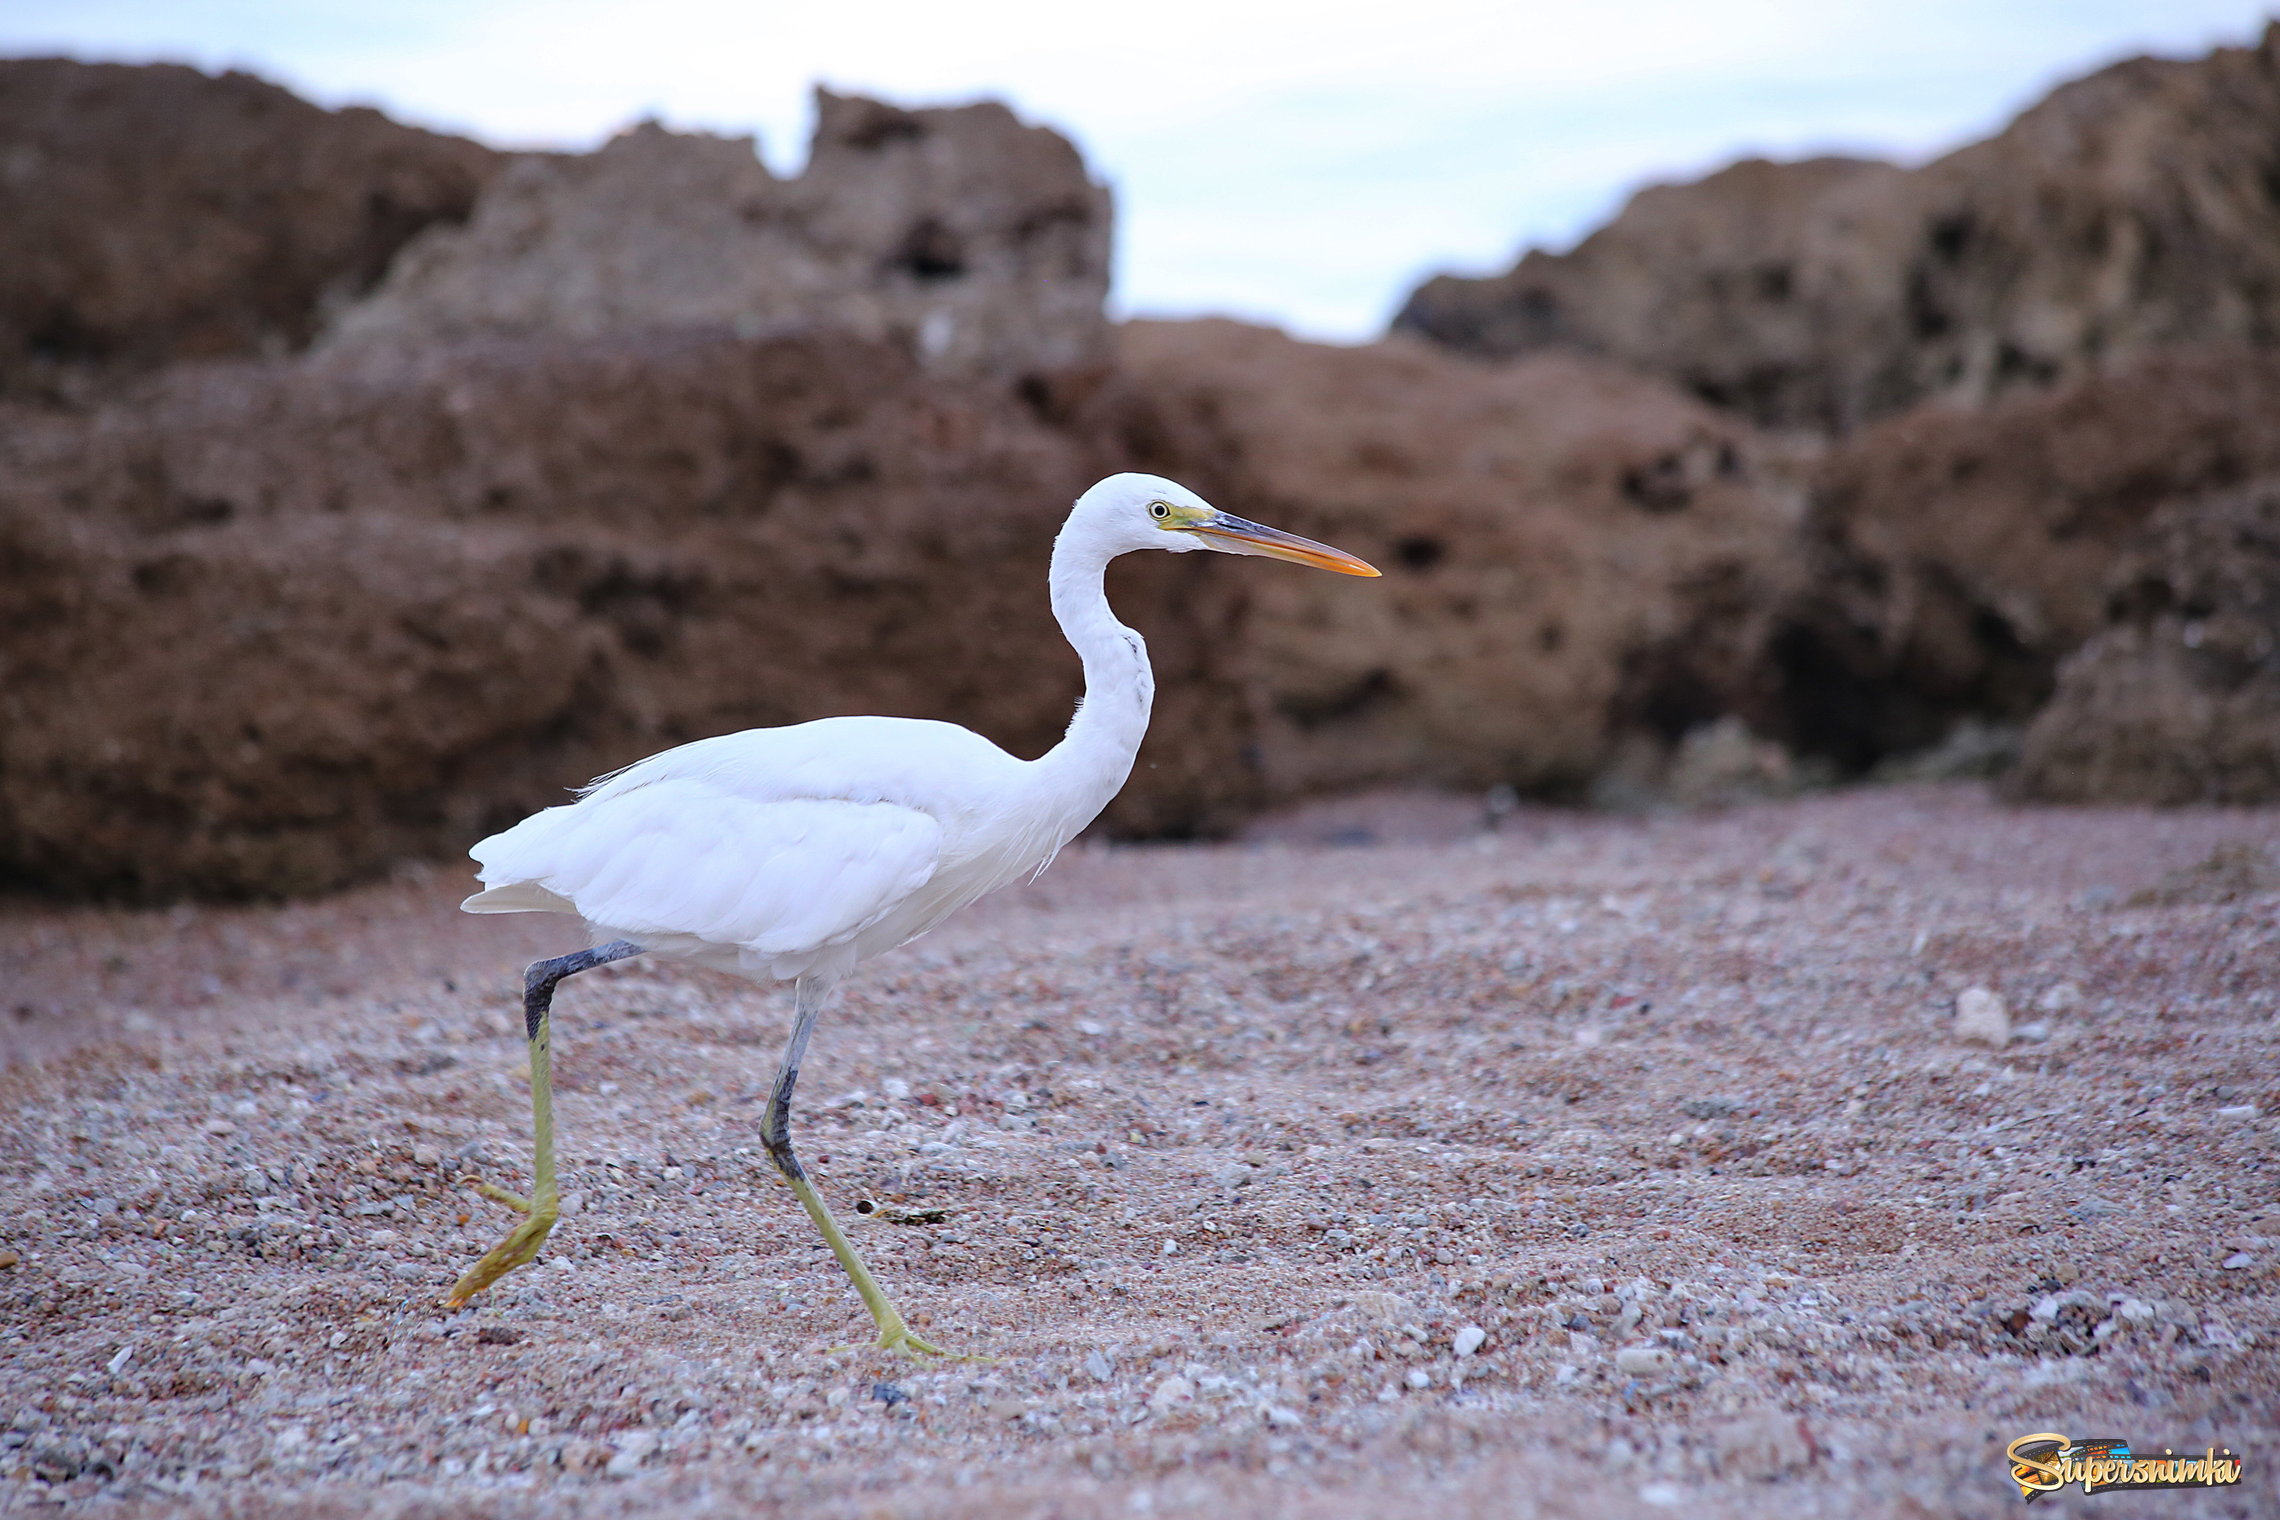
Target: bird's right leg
[543, 1206]
[809, 996]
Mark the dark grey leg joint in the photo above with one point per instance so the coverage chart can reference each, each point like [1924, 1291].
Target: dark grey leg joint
[776, 1126]
[808, 997]
[539, 980]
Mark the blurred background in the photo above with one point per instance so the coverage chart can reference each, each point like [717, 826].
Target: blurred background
[407, 413]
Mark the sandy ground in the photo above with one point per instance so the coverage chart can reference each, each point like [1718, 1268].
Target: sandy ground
[1589, 1167]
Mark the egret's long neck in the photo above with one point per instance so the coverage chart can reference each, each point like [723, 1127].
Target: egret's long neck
[1092, 761]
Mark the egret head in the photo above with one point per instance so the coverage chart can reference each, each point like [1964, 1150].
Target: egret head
[1130, 512]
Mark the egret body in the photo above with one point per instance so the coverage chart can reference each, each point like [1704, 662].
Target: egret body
[794, 854]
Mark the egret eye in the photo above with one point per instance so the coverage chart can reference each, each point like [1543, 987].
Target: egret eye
[1160, 510]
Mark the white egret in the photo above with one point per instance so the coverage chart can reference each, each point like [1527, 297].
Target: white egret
[796, 853]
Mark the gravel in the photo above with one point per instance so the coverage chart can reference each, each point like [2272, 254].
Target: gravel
[1271, 1178]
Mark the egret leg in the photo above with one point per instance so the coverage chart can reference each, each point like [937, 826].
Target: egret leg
[809, 996]
[542, 1207]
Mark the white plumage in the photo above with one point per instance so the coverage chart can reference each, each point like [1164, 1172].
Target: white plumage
[800, 851]
[795, 853]
[777, 852]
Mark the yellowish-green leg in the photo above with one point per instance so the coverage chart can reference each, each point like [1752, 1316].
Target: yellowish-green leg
[895, 1334]
[543, 1206]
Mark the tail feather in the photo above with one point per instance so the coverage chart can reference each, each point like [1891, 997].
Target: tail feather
[518, 897]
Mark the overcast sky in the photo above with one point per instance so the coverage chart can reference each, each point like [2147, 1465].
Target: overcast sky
[1298, 163]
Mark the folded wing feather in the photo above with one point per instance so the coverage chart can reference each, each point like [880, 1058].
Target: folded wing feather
[690, 857]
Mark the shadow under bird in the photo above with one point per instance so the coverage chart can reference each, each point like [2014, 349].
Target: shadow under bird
[794, 854]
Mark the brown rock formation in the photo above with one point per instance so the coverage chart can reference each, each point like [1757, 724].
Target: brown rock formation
[2178, 698]
[1572, 553]
[157, 213]
[281, 624]
[2130, 211]
[537, 508]
[974, 241]
[1959, 556]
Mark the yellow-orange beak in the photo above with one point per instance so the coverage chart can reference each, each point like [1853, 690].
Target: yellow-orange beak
[1234, 535]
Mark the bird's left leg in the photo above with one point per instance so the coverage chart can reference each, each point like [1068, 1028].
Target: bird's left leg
[809, 996]
[542, 1207]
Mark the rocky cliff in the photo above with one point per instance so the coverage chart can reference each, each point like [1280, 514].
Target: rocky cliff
[976, 242]
[2129, 212]
[270, 626]
[1958, 556]
[1574, 555]
[2177, 697]
[154, 214]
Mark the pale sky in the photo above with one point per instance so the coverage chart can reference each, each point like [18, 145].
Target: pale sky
[1302, 164]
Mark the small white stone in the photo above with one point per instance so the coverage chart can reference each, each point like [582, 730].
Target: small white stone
[2239, 1261]
[1390, 1307]
[1983, 1017]
[118, 1363]
[1641, 1361]
[1172, 1390]
[1283, 1417]
[1099, 1366]
[629, 1453]
[2238, 1112]
[1468, 1340]
[1171, 1248]
[2059, 998]
[1419, 1378]
[425, 1155]
[1662, 1495]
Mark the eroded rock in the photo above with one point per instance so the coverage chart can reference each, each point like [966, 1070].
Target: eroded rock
[2128, 212]
[1572, 553]
[2178, 698]
[973, 241]
[149, 214]
[277, 625]
[1959, 556]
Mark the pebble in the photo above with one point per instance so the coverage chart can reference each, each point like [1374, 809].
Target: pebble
[1101, 1368]
[1641, 1361]
[1983, 1017]
[1468, 1340]
[1391, 1307]
[1419, 1378]
[1171, 1391]
[628, 1453]
[2238, 1113]
[2239, 1261]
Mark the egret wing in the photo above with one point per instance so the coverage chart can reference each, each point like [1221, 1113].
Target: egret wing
[687, 857]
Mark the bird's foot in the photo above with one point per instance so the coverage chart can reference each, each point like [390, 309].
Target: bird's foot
[520, 1248]
[897, 1337]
